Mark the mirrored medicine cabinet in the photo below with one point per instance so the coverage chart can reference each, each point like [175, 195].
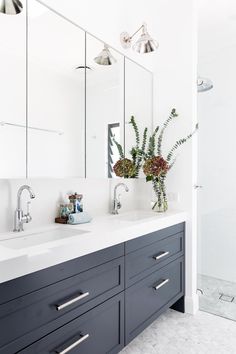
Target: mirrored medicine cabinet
[63, 100]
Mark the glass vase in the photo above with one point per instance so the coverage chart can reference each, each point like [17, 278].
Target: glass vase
[161, 203]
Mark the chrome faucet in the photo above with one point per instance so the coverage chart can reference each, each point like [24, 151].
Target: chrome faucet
[116, 200]
[20, 217]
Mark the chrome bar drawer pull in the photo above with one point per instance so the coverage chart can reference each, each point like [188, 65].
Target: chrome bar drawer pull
[72, 301]
[159, 256]
[161, 284]
[73, 345]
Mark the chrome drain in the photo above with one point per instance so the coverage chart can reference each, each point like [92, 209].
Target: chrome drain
[227, 298]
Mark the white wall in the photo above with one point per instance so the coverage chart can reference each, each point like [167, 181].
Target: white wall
[173, 25]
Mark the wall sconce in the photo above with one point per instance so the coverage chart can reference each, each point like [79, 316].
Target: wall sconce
[145, 43]
[10, 7]
[105, 57]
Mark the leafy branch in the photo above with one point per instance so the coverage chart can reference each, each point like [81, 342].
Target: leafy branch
[178, 144]
[172, 115]
[137, 152]
[152, 144]
[136, 131]
[119, 148]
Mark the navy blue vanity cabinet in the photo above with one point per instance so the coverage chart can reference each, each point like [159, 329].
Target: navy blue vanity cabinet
[97, 303]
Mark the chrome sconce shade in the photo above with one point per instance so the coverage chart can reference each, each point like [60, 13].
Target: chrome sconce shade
[105, 57]
[145, 43]
[10, 7]
[204, 84]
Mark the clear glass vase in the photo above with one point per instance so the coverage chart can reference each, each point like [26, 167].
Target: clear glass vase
[161, 204]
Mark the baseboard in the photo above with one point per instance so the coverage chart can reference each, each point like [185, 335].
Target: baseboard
[192, 304]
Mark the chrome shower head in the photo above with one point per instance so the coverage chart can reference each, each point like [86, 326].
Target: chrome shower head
[204, 84]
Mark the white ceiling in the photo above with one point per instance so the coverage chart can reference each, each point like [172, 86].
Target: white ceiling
[216, 27]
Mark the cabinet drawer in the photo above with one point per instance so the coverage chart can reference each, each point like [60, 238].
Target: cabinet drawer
[23, 285]
[145, 300]
[58, 303]
[98, 331]
[153, 237]
[146, 260]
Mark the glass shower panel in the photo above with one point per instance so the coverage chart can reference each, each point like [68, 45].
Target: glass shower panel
[217, 192]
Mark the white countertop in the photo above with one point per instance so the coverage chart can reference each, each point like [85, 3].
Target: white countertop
[102, 232]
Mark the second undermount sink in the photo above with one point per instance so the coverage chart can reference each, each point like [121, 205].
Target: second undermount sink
[38, 238]
[136, 216]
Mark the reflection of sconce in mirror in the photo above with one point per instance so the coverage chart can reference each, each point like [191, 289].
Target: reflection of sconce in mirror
[81, 70]
[10, 7]
[105, 57]
[145, 43]
[83, 67]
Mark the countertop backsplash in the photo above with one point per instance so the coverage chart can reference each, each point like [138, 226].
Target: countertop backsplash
[98, 194]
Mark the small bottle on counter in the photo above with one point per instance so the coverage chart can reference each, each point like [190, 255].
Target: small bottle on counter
[76, 200]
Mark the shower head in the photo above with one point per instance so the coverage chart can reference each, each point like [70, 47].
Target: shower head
[204, 84]
[10, 7]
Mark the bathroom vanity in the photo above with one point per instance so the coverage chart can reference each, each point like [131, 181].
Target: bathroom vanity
[101, 299]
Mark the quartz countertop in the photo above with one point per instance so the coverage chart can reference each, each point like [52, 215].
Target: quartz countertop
[104, 231]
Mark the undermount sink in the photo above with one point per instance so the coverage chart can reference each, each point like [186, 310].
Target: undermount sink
[136, 216]
[38, 238]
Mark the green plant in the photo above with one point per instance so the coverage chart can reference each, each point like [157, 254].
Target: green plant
[137, 153]
[156, 166]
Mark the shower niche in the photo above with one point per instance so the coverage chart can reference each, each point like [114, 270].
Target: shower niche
[66, 96]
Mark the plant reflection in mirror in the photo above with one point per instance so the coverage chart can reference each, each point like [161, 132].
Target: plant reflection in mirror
[130, 168]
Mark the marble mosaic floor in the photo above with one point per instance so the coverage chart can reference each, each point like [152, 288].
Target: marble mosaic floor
[178, 333]
[217, 296]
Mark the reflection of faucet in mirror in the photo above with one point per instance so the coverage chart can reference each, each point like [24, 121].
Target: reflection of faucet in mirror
[20, 217]
[116, 200]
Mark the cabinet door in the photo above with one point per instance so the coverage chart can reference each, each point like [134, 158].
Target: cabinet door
[13, 94]
[56, 95]
[99, 331]
[145, 300]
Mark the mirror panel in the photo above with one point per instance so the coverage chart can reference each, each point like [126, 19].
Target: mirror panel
[56, 95]
[13, 95]
[104, 110]
[46, 92]
[138, 102]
